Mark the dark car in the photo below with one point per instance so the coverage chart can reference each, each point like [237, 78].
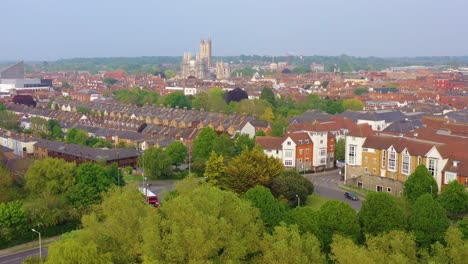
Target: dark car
[351, 196]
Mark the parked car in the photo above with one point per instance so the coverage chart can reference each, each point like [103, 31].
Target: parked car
[351, 196]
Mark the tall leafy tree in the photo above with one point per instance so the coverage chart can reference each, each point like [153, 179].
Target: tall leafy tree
[177, 151]
[13, 219]
[249, 169]
[204, 224]
[215, 168]
[156, 163]
[419, 183]
[236, 95]
[306, 219]
[50, 175]
[380, 214]
[74, 251]
[243, 142]
[454, 198]
[272, 212]
[203, 144]
[428, 220]
[77, 136]
[91, 180]
[353, 104]
[287, 245]
[223, 145]
[268, 95]
[340, 149]
[290, 184]
[337, 218]
[177, 99]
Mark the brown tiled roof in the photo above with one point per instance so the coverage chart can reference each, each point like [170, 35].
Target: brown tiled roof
[361, 130]
[270, 142]
[300, 137]
[414, 146]
[456, 151]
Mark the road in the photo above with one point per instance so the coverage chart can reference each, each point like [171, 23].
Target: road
[327, 184]
[17, 258]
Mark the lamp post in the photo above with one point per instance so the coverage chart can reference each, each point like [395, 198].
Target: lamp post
[431, 190]
[189, 158]
[40, 243]
[298, 200]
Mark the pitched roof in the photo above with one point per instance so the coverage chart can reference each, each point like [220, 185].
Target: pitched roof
[95, 154]
[270, 142]
[361, 130]
[414, 146]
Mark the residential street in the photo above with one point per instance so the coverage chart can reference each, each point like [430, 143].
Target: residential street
[327, 184]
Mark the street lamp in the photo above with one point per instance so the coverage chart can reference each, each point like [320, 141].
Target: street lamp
[298, 200]
[40, 243]
[431, 190]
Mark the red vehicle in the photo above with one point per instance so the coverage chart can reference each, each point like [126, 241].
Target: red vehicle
[151, 198]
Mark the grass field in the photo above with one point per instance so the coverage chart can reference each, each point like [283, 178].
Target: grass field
[316, 201]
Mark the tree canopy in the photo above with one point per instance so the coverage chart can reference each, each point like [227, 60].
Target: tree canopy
[418, 183]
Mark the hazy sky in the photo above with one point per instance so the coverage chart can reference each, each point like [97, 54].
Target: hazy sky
[54, 29]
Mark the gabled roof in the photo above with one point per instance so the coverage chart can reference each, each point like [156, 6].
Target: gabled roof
[300, 138]
[415, 147]
[270, 142]
[361, 130]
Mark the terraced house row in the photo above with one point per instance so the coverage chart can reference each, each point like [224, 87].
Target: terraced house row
[382, 163]
[131, 123]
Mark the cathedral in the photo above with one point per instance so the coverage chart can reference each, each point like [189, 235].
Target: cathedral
[201, 67]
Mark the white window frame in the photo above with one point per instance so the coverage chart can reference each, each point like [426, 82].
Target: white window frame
[377, 188]
[406, 163]
[392, 159]
[288, 153]
[432, 166]
[352, 154]
[384, 157]
[288, 162]
[452, 175]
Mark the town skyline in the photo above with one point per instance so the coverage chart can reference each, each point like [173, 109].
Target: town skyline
[52, 30]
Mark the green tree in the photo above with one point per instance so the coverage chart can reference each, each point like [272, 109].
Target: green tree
[268, 95]
[249, 169]
[345, 251]
[73, 251]
[203, 224]
[353, 104]
[360, 91]
[272, 212]
[393, 247]
[177, 99]
[428, 220]
[287, 245]
[203, 144]
[337, 218]
[9, 120]
[463, 227]
[156, 163]
[380, 214]
[223, 145]
[418, 183]
[177, 151]
[77, 136]
[290, 184]
[91, 180]
[8, 190]
[306, 219]
[116, 228]
[83, 110]
[268, 115]
[215, 169]
[340, 149]
[454, 198]
[50, 175]
[13, 219]
[243, 142]
[170, 73]
[278, 126]
[110, 81]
